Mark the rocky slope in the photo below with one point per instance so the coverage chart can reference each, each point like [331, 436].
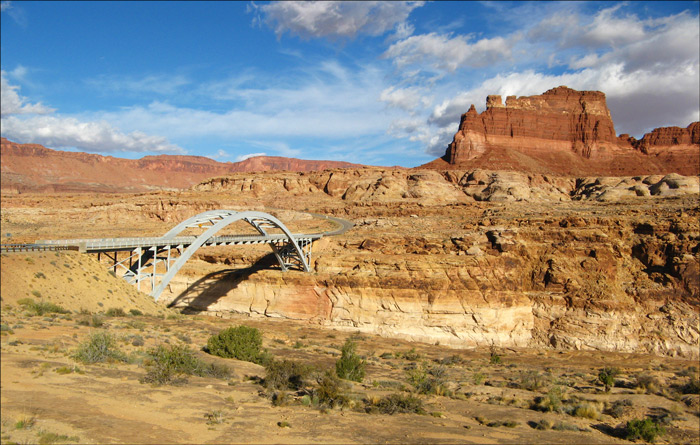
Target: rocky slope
[32, 167]
[564, 131]
[464, 258]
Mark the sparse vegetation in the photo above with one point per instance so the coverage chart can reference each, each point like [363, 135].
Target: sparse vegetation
[427, 379]
[606, 376]
[285, 375]
[100, 347]
[241, 342]
[647, 429]
[115, 312]
[350, 366]
[395, 403]
[172, 364]
[494, 356]
[331, 391]
[41, 307]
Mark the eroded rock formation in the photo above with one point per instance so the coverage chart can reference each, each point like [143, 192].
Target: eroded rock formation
[565, 131]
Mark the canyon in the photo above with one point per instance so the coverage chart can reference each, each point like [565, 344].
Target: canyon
[540, 250]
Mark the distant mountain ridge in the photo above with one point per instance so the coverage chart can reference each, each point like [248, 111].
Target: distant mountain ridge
[35, 168]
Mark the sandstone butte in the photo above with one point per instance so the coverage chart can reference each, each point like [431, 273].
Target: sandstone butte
[566, 132]
[33, 167]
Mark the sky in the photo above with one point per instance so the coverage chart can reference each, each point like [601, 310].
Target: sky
[376, 83]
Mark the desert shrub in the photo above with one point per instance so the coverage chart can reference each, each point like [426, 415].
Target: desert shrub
[135, 312]
[532, 381]
[240, 342]
[494, 357]
[350, 366]
[543, 424]
[41, 307]
[115, 312]
[47, 438]
[619, 408]
[478, 378]
[92, 320]
[647, 430]
[395, 403]
[506, 423]
[586, 410]
[647, 382]
[426, 379]
[171, 364]
[410, 355]
[331, 390]
[606, 376]
[451, 360]
[137, 340]
[100, 347]
[565, 426]
[551, 402]
[285, 374]
[692, 387]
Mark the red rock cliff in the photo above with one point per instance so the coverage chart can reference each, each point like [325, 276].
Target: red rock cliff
[567, 132]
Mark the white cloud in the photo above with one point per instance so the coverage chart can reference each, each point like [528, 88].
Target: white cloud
[336, 18]
[407, 99]
[648, 69]
[13, 103]
[69, 132]
[4, 6]
[159, 84]
[248, 156]
[446, 53]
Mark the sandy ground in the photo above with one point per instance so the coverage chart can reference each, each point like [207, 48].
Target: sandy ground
[48, 397]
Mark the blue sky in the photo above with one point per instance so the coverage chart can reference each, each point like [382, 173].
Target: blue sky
[367, 82]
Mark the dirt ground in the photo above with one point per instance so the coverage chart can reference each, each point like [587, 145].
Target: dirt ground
[50, 397]
[485, 396]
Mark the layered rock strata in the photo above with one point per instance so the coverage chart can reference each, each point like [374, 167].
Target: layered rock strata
[591, 263]
[565, 131]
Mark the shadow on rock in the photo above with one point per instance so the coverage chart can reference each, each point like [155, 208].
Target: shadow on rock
[208, 289]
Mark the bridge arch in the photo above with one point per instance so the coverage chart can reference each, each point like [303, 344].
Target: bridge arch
[217, 220]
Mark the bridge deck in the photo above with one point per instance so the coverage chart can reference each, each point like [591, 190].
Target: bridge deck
[96, 245]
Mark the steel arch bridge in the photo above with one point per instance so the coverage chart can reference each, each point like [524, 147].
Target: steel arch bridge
[151, 260]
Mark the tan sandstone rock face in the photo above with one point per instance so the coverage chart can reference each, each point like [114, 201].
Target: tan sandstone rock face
[505, 258]
[569, 132]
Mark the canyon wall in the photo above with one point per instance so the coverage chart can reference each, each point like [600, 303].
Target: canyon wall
[473, 258]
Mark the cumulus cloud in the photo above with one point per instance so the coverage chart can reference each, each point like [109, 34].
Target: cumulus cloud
[336, 18]
[648, 69]
[68, 132]
[38, 125]
[405, 98]
[447, 53]
[13, 103]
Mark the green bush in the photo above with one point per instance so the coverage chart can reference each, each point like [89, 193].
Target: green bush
[606, 376]
[646, 429]
[285, 374]
[135, 312]
[241, 342]
[100, 347]
[395, 403]
[551, 402]
[427, 380]
[171, 365]
[350, 366]
[532, 381]
[331, 391]
[41, 307]
[115, 312]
